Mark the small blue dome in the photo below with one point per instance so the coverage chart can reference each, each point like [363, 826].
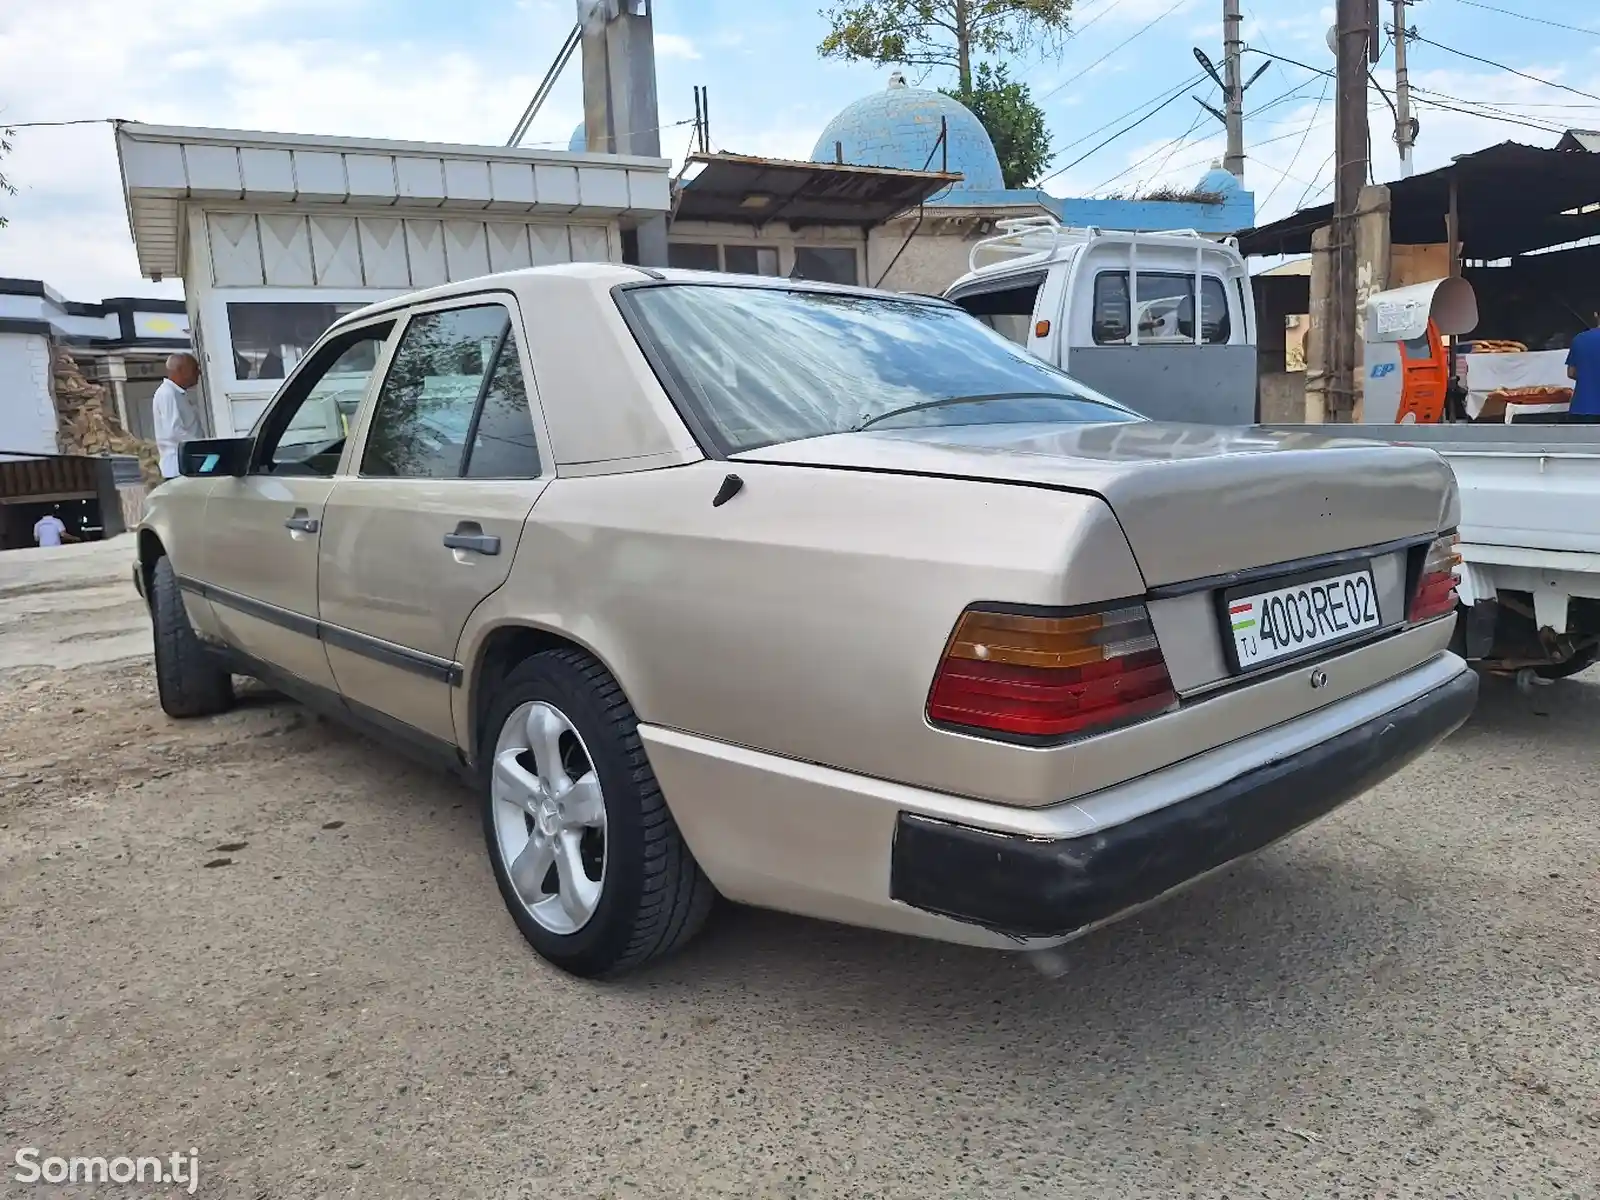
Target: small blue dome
[1218, 180]
[899, 128]
[580, 140]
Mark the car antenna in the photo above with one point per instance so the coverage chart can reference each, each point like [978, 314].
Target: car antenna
[731, 486]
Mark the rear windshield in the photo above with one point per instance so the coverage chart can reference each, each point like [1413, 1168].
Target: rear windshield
[758, 366]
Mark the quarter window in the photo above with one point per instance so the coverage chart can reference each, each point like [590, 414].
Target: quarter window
[503, 442]
[421, 426]
[1165, 309]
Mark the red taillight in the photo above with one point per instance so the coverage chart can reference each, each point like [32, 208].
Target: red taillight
[1046, 676]
[1435, 593]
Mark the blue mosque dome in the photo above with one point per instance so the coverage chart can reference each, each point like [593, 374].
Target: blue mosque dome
[580, 140]
[899, 128]
[1217, 180]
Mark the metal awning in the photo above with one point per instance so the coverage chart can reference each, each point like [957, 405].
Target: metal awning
[164, 167]
[1511, 199]
[756, 191]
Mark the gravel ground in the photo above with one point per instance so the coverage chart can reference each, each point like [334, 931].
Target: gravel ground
[266, 938]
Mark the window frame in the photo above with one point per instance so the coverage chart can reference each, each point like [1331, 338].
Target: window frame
[1196, 299]
[356, 447]
[272, 419]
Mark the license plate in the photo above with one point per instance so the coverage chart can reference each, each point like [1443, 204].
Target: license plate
[1291, 619]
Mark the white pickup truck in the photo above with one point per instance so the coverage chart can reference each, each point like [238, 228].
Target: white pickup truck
[1117, 310]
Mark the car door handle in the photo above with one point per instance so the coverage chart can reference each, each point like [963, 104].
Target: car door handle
[479, 543]
[302, 524]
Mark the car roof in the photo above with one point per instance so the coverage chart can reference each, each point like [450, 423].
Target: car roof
[611, 274]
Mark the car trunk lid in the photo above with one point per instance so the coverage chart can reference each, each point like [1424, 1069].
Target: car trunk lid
[1195, 502]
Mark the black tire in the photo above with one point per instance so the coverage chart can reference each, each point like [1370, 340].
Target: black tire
[189, 681]
[654, 898]
[1581, 661]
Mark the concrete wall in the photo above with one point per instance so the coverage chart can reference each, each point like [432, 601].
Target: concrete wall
[27, 410]
[1283, 397]
[934, 259]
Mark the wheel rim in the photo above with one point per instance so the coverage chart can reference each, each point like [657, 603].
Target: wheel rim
[549, 817]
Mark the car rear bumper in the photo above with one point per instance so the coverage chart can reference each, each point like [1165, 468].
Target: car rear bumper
[1027, 887]
[810, 839]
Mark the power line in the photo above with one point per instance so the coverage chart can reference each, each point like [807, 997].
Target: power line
[1490, 115]
[1165, 97]
[1489, 62]
[1506, 12]
[1102, 145]
[57, 124]
[1298, 150]
[1140, 32]
[1305, 195]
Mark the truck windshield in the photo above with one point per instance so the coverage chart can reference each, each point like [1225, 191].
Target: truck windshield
[759, 366]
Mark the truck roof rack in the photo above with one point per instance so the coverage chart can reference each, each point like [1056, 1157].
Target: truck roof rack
[1041, 236]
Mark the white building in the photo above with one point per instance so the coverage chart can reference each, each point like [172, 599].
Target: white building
[276, 235]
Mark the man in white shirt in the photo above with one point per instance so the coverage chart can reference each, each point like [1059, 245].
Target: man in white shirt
[176, 419]
[50, 530]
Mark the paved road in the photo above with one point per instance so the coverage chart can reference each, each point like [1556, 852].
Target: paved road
[1403, 1001]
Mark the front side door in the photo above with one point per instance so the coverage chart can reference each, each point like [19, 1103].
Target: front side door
[263, 529]
[426, 527]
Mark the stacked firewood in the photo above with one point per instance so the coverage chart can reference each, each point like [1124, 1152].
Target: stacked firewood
[86, 420]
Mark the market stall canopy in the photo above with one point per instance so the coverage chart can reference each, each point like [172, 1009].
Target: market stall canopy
[1511, 199]
[1402, 314]
[755, 191]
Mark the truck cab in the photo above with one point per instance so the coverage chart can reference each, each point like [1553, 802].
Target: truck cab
[1117, 310]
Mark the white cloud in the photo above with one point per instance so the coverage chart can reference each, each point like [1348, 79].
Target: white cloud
[229, 63]
[675, 45]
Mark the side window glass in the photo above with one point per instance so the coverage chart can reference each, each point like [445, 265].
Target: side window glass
[420, 426]
[1215, 326]
[503, 442]
[304, 432]
[1111, 308]
[1166, 308]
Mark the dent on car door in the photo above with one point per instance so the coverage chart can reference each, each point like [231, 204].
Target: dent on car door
[426, 529]
[263, 528]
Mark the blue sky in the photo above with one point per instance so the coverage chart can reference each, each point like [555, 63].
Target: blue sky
[461, 70]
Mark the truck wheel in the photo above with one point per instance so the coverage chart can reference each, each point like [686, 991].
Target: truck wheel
[586, 854]
[189, 681]
[1581, 661]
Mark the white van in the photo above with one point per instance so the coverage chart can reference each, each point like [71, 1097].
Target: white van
[1117, 310]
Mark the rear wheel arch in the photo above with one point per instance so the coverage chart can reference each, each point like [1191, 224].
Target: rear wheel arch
[503, 649]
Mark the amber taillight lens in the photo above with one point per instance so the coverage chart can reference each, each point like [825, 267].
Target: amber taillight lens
[1046, 676]
[1435, 592]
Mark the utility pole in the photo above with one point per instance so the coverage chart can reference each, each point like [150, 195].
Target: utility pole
[1233, 87]
[1232, 92]
[1405, 126]
[1356, 31]
[619, 95]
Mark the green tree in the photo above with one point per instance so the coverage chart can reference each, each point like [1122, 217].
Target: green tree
[6, 187]
[1015, 124]
[941, 33]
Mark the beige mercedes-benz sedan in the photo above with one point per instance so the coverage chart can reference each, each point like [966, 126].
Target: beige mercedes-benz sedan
[817, 598]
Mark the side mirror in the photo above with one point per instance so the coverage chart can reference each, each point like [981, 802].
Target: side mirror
[210, 457]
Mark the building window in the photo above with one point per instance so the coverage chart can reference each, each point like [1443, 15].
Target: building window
[269, 338]
[1166, 309]
[692, 256]
[740, 260]
[829, 264]
[750, 260]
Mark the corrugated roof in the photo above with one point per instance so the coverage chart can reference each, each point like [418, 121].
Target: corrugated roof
[756, 191]
[1511, 199]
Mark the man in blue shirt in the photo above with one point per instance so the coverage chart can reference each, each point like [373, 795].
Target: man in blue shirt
[1583, 367]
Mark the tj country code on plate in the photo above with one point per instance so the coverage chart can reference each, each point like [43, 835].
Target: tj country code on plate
[1291, 620]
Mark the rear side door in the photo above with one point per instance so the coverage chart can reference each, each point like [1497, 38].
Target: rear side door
[451, 461]
[263, 529]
